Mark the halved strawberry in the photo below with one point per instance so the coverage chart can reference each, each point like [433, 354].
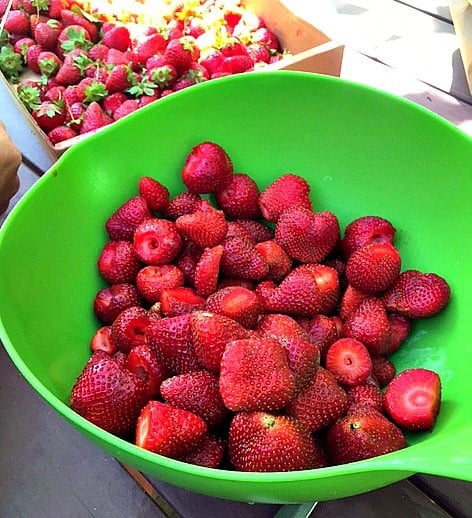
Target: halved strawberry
[349, 360]
[413, 398]
[143, 361]
[157, 241]
[180, 300]
[289, 190]
[362, 433]
[210, 334]
[152, 280]
[207, 168]
[103, 341]
[255, 375]
[198, 392]
[280, 263]
[169, 431]
[418, 295]
[373, 268]
[236, 302]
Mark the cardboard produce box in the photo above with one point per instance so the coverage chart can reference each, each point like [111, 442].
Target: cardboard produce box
[307, 49]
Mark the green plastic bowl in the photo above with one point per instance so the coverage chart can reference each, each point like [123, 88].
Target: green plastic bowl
[364, 153]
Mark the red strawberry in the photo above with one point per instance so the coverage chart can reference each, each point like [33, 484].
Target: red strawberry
[258, 53]
[197, 392]
[368, 393]
[154, 194]
[400, 328]
[320, 403]
[157, 241]
[307, 236]
[150, 46]
[255, 375]
[108, 395]
[46, 33]
[31, 57]
[49, 115]
[69, 17]
[176, 301]
[207, 269]
[206, 228]
[237, 64]
[351, 299]
[418, 295]
[61, 133]
[103, 341]
[362, 434]
[210, 335]
[110, 302]
[116, 57]
[68, 74]
[207, 168]
[370, 325]
[239, 199]
[266, 37]
[22, 45]
[118, 38]
[98, 52]
[181, 53]
[413, 398]
[35, 18]
[287, 191]
[280, 263]
[322, 331]
[94, 118]
[169, 431]
[212, 59]
[280, 326]
[236, 302]
[111, 103]
[73, 38]
[209, 453]
[143, 361]
[303, 359]
[48, 63]
[237, 230]
[163, 75]
[241, 259]
[262, 442]
[152, 280]
[124, 220]
[118, 262]
[125, 108]
[130, 327]
[373, 268]
[171, 339]
[183, 203]
[349, 360]
[383, 370]
[259, 232]
[119, 79]
[55, 9]
[365, 231]
[187, 262]
[17, 22]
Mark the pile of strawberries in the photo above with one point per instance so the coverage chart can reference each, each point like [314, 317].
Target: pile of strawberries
[242, 330]
[91, 71]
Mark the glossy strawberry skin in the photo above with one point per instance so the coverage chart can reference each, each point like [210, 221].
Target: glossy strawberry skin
[118, 262]
[124, 220]
[349, 360]
[152, 280]
[111, 301]
[209, 452]
[207, 270]
[130, 327]
[206, 228]
[108, 395]
[364, 231]
[236, 302]
[142, 361]
[156, 241]
[154, 194]
[239, 199]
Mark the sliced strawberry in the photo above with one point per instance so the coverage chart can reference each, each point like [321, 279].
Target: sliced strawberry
[207, 270]
[152, 280]
[413, 399]
[197, 392]
[255, 375]
[236, 302]
[280, 263]
[349, 360]
[103, 341]
[168, 430]
[171, 339]
[157, 241]
[210, 335]
[177, 301]
[143, 361]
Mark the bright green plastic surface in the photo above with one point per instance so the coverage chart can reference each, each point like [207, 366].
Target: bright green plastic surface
[363, 152]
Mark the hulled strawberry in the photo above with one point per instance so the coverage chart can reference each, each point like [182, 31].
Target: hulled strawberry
[280, 263]
[362, 433]
[259, 441]
[210, 333]
[108, 395]
[241, 259]
[320, 403]
[207, 168]
[236, 302]
[418, 295]
[279, 325]
[154, 194]
[239, 199]
[206, 228]
[307, 236]
[124, 220]
[103, 341]
[157, 241]
[198, 392]
[118, 262]
[322, 331]
[413, 398]
[142, 361]
[365, 231]
[207, 269]
[129, 329]
[287, 191]
[169, 431]
[180, 300]
[110, 302]
[349, 360]
[255, 375]
[152, 280]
